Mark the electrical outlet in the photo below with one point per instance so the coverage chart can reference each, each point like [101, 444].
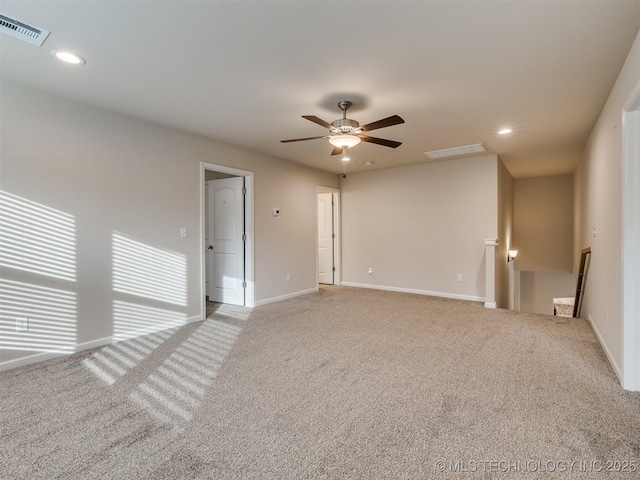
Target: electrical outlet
[370, 271]
[288, 277]
[22, 324]
[459, 277]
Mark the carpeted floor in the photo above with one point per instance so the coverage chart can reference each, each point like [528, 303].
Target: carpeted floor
[345, 383]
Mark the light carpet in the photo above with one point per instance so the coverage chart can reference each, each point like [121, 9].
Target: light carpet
[344, 383]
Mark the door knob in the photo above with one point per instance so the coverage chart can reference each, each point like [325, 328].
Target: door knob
[210, 247]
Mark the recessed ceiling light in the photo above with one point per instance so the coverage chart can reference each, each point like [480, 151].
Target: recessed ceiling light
[69, 57]
[345, 158]
[368, 163]
[504, 131]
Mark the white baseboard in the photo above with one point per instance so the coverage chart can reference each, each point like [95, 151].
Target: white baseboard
[417, 292]
[285, 297]
[612, 362]
[101, 342]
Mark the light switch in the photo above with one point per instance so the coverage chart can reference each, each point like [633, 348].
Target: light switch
[183, 232]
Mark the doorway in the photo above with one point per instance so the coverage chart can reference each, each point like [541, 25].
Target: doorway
[328, 236]
[226, 227]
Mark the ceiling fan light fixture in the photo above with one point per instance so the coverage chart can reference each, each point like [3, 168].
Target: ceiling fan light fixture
[347, 133]
[344, 141]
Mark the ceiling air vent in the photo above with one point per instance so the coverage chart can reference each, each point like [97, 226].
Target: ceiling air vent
[456, 151]
[22, 30]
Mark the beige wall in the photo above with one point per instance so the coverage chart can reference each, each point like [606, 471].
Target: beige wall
[544, 223]
[505, 234]
[419, 226]
[104, 174]
[538, 289]
[599, 206]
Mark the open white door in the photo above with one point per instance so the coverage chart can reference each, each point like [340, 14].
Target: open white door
[208, 254]
[325, 238]
[225, 241]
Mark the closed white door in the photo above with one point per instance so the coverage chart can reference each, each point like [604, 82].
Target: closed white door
[325, 238]
[225, 244]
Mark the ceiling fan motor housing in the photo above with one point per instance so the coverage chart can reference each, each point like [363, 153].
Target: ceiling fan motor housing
[345, 125]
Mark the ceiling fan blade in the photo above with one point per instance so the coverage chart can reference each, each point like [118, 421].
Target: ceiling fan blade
[385, 122]
[380, 141]
[336, 151]
[319, 121]
[300, 139]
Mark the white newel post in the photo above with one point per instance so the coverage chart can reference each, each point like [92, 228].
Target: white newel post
[512, 284]
[490, 283]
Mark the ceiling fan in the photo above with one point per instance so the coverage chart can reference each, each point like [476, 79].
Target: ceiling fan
[346, 133]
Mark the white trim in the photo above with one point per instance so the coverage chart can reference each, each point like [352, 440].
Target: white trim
[285, 297]
[101, 342]
[337, 242]
[511, 277]
[516, 288]
[415, 291]
[610, 357]
[490, 272]
[630, 378]
[250, 293]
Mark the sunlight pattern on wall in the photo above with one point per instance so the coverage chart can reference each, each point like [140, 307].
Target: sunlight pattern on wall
[52, 315]
[148, 272]
[131, 319]
[175, 390]
[116, 360]
[37, 239]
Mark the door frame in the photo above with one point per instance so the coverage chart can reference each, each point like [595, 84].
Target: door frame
[337, 254]
[249, 299]
[630, 242]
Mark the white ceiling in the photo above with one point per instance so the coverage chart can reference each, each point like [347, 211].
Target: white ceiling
[244, 72]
